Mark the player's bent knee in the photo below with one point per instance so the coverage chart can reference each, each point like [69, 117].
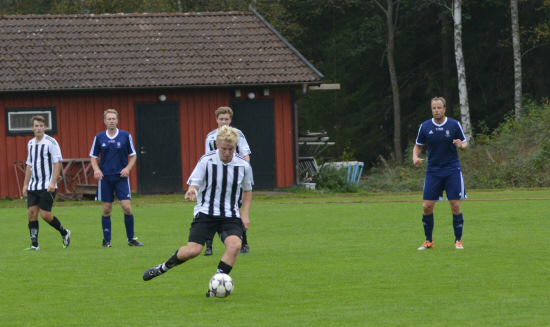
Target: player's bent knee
[233, 243]
[191, 250]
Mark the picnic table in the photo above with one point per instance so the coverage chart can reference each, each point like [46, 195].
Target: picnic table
[73, 182]
[311, 145]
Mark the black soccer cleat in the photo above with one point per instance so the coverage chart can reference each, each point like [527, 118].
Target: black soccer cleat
[153, 272]
[208, 250]
[134, 242]
[106, 244]
[245, 249]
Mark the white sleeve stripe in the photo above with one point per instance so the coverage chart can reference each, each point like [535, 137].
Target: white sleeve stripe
[417, 135]
[92, 150]
[131, 145]
[462, 131]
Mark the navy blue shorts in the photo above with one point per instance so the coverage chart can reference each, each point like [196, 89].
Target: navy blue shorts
[451, 182]
[42, 198]
[204, 227]
[111, 185]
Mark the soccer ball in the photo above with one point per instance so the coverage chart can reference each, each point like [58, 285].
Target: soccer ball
[221, 285]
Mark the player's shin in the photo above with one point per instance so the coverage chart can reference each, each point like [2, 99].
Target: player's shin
[172, 262]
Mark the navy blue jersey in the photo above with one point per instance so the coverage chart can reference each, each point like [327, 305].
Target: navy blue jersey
[442, 153]
[114, 151]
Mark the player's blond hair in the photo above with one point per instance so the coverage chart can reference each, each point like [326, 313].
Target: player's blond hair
[227, 134]
[442, 99]
[223, 111]
[110, 111]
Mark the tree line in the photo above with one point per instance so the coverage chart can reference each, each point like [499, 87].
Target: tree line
[390, 58]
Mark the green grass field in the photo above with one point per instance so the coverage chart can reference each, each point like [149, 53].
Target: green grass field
[315, 260]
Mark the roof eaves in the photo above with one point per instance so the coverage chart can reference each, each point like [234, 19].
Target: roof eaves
[161, 87]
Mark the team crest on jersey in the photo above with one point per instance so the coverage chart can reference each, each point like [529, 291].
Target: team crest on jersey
[447, 133]
[118, 144]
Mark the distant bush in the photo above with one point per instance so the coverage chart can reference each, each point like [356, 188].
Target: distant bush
[514, 155]
[388, 176]
[334, 180]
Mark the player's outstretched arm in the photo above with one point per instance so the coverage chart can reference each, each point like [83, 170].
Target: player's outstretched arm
[416, 152]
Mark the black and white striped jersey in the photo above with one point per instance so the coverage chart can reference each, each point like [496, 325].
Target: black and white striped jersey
[242, 145]
[42, 157]
[220, 184]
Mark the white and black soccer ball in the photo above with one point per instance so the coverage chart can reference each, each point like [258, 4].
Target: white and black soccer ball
[221, 285]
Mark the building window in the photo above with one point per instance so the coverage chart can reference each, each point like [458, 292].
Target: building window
[18, 120]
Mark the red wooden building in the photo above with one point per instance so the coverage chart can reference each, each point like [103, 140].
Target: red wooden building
[166, 74]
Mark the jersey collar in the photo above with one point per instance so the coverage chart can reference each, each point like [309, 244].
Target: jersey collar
[436, 124]
[219, 160]
[109, 136]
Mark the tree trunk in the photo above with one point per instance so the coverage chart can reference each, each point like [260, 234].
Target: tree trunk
[517, 58]
[393, 77]
[461, 70]
[447, 58]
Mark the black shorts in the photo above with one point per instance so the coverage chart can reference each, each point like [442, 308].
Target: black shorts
[204, 227]
[42, 198]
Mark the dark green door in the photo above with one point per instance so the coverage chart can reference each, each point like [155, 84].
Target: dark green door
[255, 118]
[158, 147]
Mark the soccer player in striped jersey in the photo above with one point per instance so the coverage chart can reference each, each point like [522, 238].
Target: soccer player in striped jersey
[224, 115]
[40, 185]
[443, 137]
[215, 184]
[114, 146]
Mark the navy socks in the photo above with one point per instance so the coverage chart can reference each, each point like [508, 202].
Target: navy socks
[106, 224]
[428, 222]
[458, 222]
[129, 223]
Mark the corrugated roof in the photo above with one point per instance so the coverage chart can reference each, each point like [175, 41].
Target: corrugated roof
[59, 52]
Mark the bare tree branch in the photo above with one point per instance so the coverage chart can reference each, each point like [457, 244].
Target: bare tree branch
[398, 2]
[379, 5]
[533, 48]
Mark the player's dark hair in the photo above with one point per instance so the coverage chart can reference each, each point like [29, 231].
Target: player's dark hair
[223, 111]
[39, 119]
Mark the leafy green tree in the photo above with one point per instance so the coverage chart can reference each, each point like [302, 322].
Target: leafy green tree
[24, 7]
[345, 40]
